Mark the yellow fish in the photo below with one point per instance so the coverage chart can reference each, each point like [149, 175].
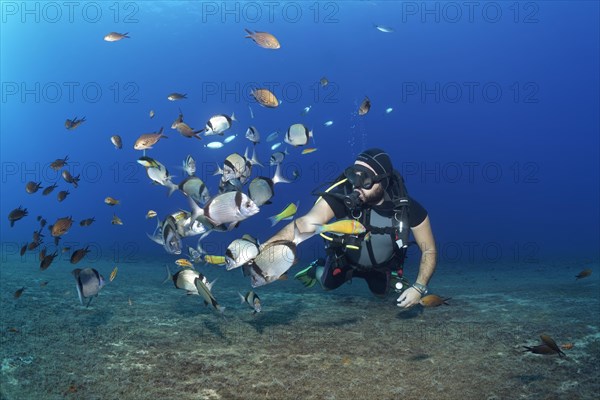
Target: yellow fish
[309, 150]
[287, 213]
[184, 263]
[342, 227]
[111, 202]
[150, 214]
[215, 260]
[113, 274]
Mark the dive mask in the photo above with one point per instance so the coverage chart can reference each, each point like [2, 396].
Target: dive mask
[362, 177]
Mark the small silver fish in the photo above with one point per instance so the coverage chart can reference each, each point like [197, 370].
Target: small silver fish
[382, 28]
[252, 300]
[115, 37]
[229, 138]
[214, 145]
[116, 141]
[217, 124]
[177, 96]
[275, 146]
[189, 165]
[298, 135]
[253, 135]
[272, 136]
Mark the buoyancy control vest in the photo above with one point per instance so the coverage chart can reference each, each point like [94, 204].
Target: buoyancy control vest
[398, 229]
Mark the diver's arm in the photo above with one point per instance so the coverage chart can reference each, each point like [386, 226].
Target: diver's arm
[320, 214]
[424, 238]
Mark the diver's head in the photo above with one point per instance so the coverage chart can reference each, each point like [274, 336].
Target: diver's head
[370, 175]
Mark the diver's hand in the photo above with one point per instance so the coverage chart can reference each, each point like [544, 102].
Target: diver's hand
[410, 297]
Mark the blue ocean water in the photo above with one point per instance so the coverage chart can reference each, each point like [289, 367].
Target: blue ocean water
[494, 123]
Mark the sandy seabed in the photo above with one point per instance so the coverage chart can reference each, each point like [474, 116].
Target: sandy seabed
[142, 339]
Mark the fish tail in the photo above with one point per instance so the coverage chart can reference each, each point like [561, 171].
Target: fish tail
[169, 275]
[209, 285]
[319, 228]
[249, 32]
[233, 117]
[255, 160]
[242, 298]
[172, 187]
[274, 219]
[196, 210]
[278, 178]
[125, 35]
[219, 171]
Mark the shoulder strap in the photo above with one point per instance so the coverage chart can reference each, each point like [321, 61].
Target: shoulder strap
[401, 210]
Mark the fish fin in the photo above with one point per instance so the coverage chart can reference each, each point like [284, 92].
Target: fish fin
[274, 220]
[242, 298]
[300, 237]
[79, 294]
[196, 210]
[169, 275]
[172, 187]
[209, 285]
[278, 178]
[219, 171]
[89, 302]
[318, 228]
[254, 160]
[233, 117]
[205, 234]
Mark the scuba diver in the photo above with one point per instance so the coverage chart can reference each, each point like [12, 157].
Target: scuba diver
[372, 193]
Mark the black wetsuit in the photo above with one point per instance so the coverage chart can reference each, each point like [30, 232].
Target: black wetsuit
[373, 263]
